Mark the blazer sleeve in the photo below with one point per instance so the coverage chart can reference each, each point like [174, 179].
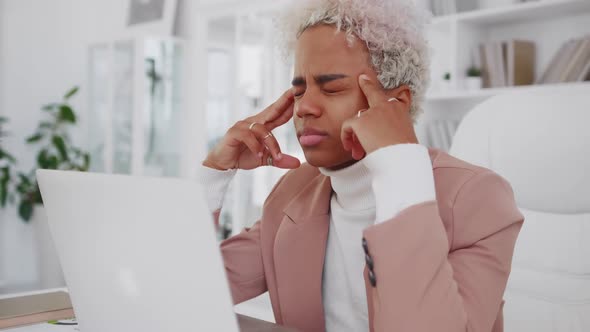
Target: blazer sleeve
[419, 284]
[242, 257]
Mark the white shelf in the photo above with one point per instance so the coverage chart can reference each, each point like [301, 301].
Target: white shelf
[517, 13]
[457, 95]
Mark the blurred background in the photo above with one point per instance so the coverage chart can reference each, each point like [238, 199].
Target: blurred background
[146, 87]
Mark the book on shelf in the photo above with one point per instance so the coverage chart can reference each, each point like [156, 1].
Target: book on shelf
[32, 309]
[571, 63]
[520, 62]
[507, 63]
[585, 73]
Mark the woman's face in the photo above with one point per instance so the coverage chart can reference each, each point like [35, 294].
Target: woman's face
[327, 92]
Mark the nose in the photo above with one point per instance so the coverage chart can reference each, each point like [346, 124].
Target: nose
[307, 106]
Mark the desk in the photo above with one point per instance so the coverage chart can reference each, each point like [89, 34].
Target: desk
[246, 324]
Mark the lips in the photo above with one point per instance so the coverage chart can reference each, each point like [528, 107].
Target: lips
[309, 137]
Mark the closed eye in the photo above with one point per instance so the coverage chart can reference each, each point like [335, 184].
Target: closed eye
[333, 91]
[298, 94]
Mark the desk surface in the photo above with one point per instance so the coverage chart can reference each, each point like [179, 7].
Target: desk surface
[246, 324]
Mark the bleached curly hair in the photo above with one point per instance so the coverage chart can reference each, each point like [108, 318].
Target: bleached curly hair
[392, 29]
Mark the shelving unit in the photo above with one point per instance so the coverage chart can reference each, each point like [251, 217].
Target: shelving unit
[518, 13]
[548, 23]
[486, 93]
[454, 39]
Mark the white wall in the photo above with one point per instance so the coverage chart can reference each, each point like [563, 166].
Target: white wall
[42, 54]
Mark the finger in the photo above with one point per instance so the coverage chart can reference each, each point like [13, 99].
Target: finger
[251, 141]
[279, 107]
[287, 162]
[281, 120]
[373, 90]
[358, 152]
[346, 135]
[267, 139]
[350, 141]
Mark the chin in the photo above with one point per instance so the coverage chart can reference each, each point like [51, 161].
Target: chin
[325, 159]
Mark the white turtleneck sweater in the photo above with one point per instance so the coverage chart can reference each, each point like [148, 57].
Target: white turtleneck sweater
[371, 191]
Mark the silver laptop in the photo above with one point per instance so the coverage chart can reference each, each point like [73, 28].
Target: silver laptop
[138, 254]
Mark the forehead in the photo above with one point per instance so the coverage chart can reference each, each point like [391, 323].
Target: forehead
[323, 49]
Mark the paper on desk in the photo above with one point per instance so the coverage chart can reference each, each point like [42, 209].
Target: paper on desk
[47, 327]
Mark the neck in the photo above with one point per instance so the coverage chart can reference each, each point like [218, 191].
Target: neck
[343, 165]
[352, 187]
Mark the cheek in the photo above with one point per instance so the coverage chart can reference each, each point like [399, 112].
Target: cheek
[344, 108]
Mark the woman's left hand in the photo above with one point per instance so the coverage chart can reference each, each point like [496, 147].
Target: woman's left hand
[386, 122]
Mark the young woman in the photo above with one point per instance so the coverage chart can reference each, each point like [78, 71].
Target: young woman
[375, 231]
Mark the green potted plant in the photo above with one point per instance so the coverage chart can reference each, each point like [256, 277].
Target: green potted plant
[445, 83]
[473, 80]
[55, 151]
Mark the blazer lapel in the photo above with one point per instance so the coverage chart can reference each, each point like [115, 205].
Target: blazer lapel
[299, 252]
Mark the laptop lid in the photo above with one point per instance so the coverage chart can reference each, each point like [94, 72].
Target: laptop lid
[138, 254]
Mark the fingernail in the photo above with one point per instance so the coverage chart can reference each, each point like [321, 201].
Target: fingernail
[260, 154]
[279, 156]
[365, 77]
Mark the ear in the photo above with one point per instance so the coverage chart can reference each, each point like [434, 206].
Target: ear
[402, 93]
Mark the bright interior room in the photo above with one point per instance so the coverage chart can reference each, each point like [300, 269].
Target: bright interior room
[128, 96]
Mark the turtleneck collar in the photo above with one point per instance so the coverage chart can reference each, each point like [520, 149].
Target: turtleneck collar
[352, 187]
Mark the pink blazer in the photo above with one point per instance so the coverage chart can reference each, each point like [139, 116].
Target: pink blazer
[437, 266]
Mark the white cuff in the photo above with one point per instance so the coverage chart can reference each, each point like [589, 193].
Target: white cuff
[402, 177]
[215, 184]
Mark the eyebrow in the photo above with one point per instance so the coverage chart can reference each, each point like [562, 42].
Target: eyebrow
[320, 79]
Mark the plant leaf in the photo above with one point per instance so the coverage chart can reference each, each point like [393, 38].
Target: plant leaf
[45, 125]
[4, 186]
[9, 157]
[25, 210]
[72, 92]
[59, 144]
[37, 198]
[50, 107]
[67, 114]
[3, 193]
[52, 162]
[24, 179]
[86, 161]
[42, 160]
[35, 138]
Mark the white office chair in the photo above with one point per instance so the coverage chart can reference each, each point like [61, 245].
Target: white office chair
[540, 142]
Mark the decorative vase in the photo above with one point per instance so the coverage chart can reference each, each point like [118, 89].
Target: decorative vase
[49, 271]
[473, 83]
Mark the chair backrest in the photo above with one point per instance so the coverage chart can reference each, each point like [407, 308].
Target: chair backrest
[539, 140]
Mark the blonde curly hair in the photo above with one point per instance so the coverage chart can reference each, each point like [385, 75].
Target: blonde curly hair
[392, 29]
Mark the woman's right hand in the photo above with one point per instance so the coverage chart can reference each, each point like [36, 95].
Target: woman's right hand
[250, 143]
